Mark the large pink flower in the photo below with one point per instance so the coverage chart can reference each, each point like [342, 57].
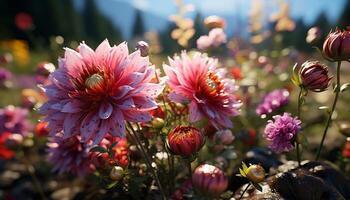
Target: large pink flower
[92, 93]
[195, 80]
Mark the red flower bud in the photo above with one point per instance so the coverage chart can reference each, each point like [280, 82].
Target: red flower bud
[209, 180]
[185, 140]
[314, 76]
[346, 149]
[41, 129]
[336, 47]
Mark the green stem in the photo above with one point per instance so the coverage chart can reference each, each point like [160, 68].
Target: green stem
[300, 96]
[31, 171]
[148, 161]
[188, 162]
[245, 190]
[329, 120]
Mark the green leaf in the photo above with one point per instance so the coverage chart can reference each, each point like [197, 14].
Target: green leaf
[242, 172]
[111, 185]
[344, 87]
[245, 168]
[257, 186]
[98, 149]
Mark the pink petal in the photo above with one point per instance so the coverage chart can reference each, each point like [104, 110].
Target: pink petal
[69, 123]
[152, 89]
[137, 116]
[105, 110]
[105, 126]
[72, 107]
[119, 129]
[127, 104]
[122, 91]
[176, 97]
[102, 51]
[145, 103]
[89, 126]
[88, 54]
[195, 113]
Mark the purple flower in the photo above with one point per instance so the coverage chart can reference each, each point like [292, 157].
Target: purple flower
[281, 132]
[5, 75]
[14, 119]
[272, 101]
[92, 93]
[69, 155]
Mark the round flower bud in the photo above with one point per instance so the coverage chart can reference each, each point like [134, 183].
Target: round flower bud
[313, 35]
[116, 173]
[209, 180]
[314, 76]
[214, 21]
[185, 141]
[346, 149]
[224, 137]
[143, 47]
[336, 47]
[157, 123]
[41, 129]
[344, 128]
[256, 173]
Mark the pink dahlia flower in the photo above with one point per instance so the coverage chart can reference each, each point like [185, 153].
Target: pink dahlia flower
[92, 93]
[217, 37]
[195, 80]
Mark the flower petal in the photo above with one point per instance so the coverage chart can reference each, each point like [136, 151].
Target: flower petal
[105, 110]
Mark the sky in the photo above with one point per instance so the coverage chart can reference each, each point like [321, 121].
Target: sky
[123, 16]
[308, 9]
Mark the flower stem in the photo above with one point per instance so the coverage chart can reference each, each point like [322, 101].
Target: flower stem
[300, 101]
[246, 188]
[188, 162]
[148, 161]
[329, 120]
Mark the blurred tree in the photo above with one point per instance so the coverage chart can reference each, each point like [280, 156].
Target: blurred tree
[200, 29]
[138, 28]
[323, 23]
[344, 19]
[169, 45]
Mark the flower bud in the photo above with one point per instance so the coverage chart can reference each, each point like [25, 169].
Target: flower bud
[314, 76]
[143, 47]
[256, 173]
[336, 47]
[224, 137]
[346, 149]
[214, 21]
[344, 128]
[41, 129]
[185, 141]
[157, 123]
[313, 35]
[116, 173]
[209, 180]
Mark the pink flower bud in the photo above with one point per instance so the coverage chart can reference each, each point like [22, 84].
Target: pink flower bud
[143, 47]
[209, 180]
[336, 47]
[314, 76]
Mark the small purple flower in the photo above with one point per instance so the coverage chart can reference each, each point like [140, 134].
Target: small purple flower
[69, 155]
[14, 120]
[272, 101]
[281, 132]
[5, 75]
